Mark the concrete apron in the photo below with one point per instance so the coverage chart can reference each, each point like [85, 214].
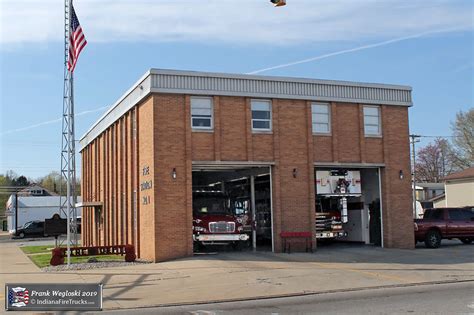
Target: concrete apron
[245, 275]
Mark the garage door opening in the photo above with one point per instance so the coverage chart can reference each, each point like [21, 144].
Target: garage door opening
[348, 206]
[232, 208]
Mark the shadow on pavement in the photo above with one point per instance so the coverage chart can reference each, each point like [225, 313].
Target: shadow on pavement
[450, 252]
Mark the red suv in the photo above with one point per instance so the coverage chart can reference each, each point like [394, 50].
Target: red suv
[445, 223]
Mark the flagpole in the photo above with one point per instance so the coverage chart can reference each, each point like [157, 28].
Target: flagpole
[68, 179]
[74, 42]
[68, 163]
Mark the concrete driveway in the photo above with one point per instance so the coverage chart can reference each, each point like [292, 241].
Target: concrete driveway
[229, 276]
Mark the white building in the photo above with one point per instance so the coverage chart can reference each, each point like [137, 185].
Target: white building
[459, 190]
[32, 208]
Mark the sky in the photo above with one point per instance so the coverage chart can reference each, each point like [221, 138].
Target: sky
[426, 44]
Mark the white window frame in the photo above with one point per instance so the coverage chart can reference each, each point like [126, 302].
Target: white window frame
[315, 123]
[211, 127]
[258, 119]
[379, 123]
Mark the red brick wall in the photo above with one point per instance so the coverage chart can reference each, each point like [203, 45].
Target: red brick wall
[295, 209]
[110, 170]
[173, 217]
[262, 147]
[348, 132]
[397, 201]
[147, 166]
[165, 142]
[203, 146]
[233, 129]
[373, 150]
[322, 148]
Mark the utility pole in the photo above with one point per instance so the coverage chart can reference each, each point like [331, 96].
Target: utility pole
[413, 139]
[16, 213]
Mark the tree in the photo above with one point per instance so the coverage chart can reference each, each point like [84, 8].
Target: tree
[6, 182]
[21, 181]
[54, 182]
[434, 161]
[463, 139]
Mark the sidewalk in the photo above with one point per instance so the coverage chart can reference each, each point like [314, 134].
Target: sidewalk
[248, 275]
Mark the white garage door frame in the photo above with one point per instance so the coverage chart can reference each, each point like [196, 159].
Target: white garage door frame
[375, 166]
[236, 165]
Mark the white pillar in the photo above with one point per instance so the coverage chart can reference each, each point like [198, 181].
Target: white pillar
[254, 215]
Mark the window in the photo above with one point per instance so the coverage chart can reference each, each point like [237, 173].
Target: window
[433, 214]
[261, 115]
[372, 121]
[459, 215]
[321, 118]
[201, 113]
[470, 213]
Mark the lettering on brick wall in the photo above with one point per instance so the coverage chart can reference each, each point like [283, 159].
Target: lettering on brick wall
[146, 185]
[146, 200]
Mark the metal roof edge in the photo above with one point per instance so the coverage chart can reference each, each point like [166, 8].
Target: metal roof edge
[277, 78]
[280, 96]
[84, 140]
[127, 93]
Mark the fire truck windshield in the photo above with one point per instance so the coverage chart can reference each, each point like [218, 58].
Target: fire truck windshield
[210, 205]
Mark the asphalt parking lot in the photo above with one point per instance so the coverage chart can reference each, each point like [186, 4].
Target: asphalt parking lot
[244, 275]
[30, 241]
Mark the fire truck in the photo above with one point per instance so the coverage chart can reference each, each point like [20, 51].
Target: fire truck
[333, 188]
[215, 221]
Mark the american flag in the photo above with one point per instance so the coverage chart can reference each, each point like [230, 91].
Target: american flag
[77, 41]
[18, 297]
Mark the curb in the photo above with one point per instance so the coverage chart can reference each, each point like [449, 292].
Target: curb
[297, 294]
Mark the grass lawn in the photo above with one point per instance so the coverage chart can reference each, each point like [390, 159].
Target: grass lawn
[41, 255]
[37, 249]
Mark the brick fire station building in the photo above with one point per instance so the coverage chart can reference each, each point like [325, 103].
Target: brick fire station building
[139, 160]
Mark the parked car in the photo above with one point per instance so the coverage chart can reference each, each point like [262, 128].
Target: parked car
[445, 223]
[31, 228]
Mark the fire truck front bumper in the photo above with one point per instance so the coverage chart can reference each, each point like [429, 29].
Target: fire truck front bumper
[220, 237]
[330, 234]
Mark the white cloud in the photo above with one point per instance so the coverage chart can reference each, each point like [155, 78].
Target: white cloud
[235, 21]
[347, 51]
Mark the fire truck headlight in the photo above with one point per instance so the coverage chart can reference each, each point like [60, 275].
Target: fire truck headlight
[240, 228]
[239, 220]
[199, 229]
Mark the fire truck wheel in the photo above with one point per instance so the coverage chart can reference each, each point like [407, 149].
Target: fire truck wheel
[197, 247]
[466, 240]
[237, 246]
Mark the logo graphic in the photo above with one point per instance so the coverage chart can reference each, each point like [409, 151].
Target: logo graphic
[18, 297]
